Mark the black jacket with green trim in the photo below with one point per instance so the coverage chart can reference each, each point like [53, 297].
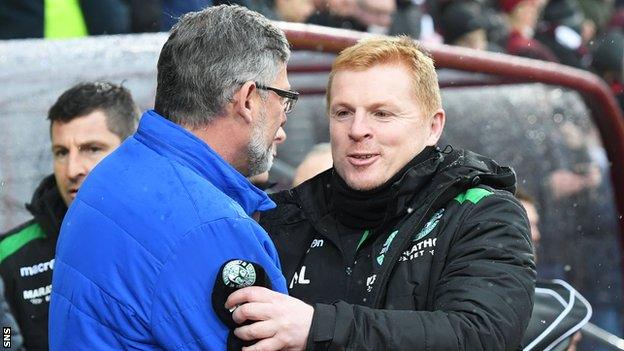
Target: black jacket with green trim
[26, 263]
[454, 272]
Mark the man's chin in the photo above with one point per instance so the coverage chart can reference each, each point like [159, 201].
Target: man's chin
[265, 166]
[69, 198]
[363, 184]
[360, 180]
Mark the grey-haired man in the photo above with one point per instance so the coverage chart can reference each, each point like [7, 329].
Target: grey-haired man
[157, 219]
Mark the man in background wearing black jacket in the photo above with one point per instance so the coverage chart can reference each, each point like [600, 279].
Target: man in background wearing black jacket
[401, 245]
[87, 122]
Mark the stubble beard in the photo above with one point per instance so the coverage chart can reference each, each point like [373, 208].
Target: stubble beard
[259, 155]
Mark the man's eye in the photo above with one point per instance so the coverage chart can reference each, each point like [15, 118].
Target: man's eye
[382, 114]
[59, 153]
[90, 149]
[341, 113]
[94, 149]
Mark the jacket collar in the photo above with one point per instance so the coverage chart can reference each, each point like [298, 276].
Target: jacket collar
[371, 208]
[176, 143]
[48, 207]
[442, 168]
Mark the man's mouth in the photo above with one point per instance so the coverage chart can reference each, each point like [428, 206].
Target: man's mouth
[362, 159]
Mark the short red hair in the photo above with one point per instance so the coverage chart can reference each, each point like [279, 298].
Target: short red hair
[401, 50]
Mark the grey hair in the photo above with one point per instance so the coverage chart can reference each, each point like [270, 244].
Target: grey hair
[209, 55]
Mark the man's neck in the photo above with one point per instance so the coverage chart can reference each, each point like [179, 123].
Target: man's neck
[228, 139]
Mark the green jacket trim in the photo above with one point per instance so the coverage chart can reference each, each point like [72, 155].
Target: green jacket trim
[473, 195]
[14, 242]
[362, 239]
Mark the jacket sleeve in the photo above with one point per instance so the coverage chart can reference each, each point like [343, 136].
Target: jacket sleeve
[182, 315]
[481, 299]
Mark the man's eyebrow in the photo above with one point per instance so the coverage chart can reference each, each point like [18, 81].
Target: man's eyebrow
[370, 107]
[381, 104]
[340, 104]
[82, 144]
[91, 142]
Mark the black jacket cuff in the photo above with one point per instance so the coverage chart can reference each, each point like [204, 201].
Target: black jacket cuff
[322, 328]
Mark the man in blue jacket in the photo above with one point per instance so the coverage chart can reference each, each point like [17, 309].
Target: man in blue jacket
[142, 244]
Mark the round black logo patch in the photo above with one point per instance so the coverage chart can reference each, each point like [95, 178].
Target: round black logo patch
[238, 274]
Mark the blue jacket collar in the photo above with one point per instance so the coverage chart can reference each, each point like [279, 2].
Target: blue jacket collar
[175, 142]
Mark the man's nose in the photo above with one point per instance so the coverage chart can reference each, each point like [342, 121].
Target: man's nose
[76, 166]
[359, 128]
[280, 136]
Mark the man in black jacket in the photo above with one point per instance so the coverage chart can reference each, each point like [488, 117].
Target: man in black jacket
[87, 122]
[401, 245]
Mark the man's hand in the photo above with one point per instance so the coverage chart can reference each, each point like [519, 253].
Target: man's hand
[283, 322]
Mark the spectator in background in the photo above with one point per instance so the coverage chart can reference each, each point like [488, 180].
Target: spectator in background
[533, 215]
[319, 159]
[530, 206]
[87, 122]
[376, 15]
[172, 10]
[146, 15]
[522, 16]
[279, 10]
[496, 25]
[63, 18]
[293, 10]
[336, 13]
[577, 184]
[462, 24]
[617, 17]
[565, 30]
[408, 19]
[599, 12]
[284, 10]
[362, 15]
[608, 62]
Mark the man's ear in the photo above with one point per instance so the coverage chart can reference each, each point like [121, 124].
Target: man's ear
[437, 126]
[243, 102]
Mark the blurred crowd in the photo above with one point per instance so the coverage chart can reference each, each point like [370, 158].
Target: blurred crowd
[565, 31]
[585, 34]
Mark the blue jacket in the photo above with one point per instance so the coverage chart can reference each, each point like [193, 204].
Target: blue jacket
[141, 245]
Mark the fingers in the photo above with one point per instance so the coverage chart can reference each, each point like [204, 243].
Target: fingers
[266, 345]
[284, 323]
[252, 311]
[256, 331]
[250, 294]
